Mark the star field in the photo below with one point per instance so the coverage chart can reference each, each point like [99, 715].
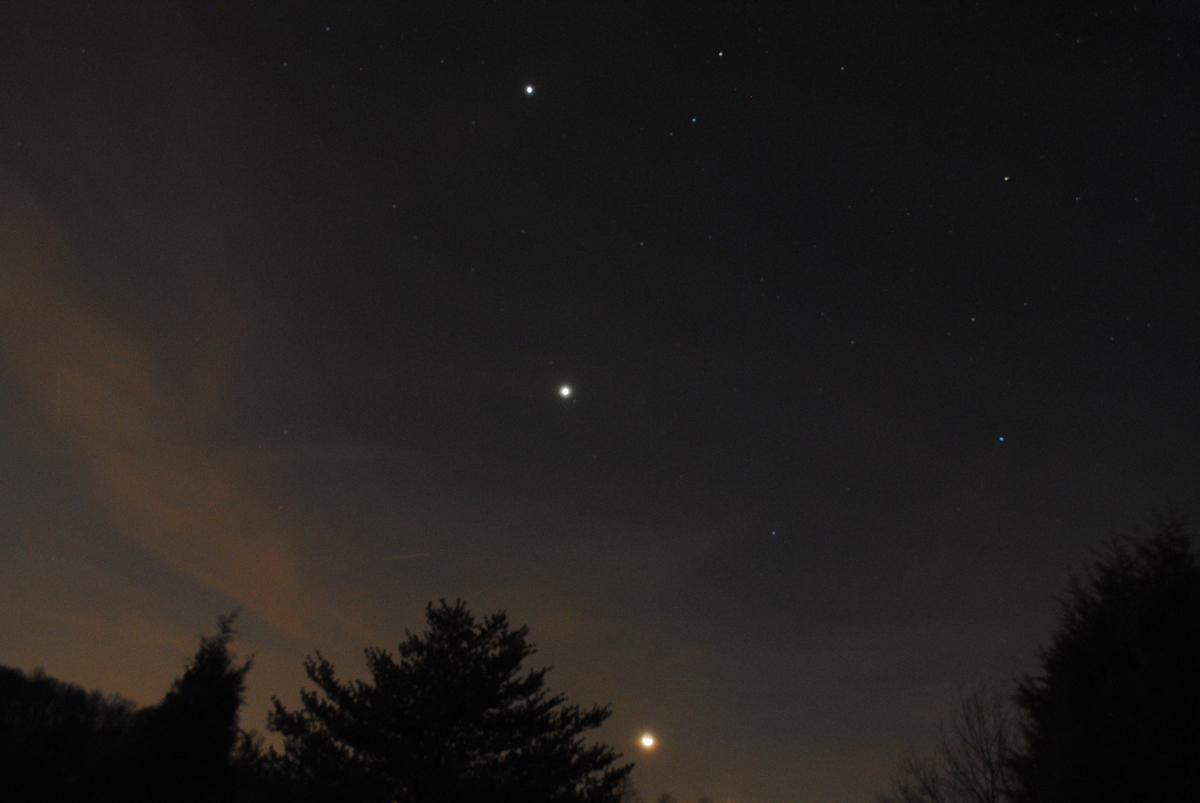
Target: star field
[774, 365]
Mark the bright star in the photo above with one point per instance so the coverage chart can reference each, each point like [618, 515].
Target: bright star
[565, 391]
[529, 89]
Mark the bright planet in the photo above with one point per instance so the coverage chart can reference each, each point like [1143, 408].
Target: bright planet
[565, 391]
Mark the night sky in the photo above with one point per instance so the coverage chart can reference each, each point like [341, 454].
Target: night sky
[877, 319]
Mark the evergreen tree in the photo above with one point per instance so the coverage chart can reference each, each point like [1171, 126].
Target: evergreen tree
[188, 740]
[454, 720]
[1115, 713]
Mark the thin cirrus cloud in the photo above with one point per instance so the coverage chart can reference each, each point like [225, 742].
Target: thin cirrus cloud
[95, 390]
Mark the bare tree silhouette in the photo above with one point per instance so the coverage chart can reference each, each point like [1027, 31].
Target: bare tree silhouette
[971, 762]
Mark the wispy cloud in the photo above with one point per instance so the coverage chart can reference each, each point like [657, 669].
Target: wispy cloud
[136, 439]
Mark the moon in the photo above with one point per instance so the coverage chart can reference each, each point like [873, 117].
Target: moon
[565, 391]
[648, 741]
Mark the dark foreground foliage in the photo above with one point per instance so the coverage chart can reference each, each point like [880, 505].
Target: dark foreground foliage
[59, 742]
[1114, 714]
[57, 739]
[454, 720]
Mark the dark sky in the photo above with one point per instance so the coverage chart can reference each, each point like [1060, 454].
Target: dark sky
[878, 318]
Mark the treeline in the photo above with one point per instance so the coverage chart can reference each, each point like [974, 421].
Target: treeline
[60, 742]
[453, 716]
[1114, 712]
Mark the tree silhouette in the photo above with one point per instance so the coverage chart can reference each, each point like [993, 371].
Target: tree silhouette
[187, 741]
[1115, 713]
[455, 719]
[61, 742]
[58, 740]
[971, 762]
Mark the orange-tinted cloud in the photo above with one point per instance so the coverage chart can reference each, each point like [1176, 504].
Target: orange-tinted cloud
[97, 390]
